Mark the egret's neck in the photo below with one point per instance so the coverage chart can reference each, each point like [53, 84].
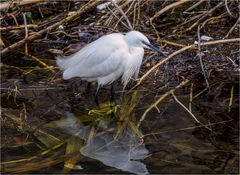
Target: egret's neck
[131, 42]
[136, 51]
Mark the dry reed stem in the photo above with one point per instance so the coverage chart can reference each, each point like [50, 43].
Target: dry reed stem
[188, 128]
[33, 157]
[41, 62]
[193, 46]
[228, 10]
[18, 27]
[190, 98]
[231, 99]
[124, 15]
[194, 6]
[76, 15]
[184, 107]
[232, 28]
[199, 54]
[119, 19]
[173, 5]
[14, 18]
[126, 12]
[162, 97]
[205, 15]
[9, 4]
[26, 32]
[173, 43]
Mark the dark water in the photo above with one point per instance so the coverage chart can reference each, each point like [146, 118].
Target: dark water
[55, 130]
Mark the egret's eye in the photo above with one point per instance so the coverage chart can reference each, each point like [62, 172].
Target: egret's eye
[154, 48]
[145, 43]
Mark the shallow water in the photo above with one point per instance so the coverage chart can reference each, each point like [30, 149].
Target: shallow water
[54, 131]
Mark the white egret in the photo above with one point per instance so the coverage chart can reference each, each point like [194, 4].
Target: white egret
[107, 59]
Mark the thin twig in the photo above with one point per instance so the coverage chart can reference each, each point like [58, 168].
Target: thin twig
[194, 6]
[231, 99]
[190, 98]
[228, 10]
[184, 107]
[232, 28]
[162, 97]
[172, 43]
[200, 56]
[42, 63]
[119, 19]
[187, 128]
[173, 5]
[126, 12]
[18, 27]
[234, 64]
[124, 15]
[205, 15]
[9, 4]
[26, 32]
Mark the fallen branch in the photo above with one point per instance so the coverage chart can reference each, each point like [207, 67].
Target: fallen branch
[9, 4]
[173, 5]
[76, 15]
[18, 27]
[205, 15]
[193, 46]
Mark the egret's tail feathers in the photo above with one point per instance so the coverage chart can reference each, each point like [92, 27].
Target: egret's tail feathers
[67, 75]
[65, 62]
[61, 62]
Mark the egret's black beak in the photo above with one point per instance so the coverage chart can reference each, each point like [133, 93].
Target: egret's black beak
[154, 48]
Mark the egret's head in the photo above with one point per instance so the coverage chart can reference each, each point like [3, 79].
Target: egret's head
[137, 39]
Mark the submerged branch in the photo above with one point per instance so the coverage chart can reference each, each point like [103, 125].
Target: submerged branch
[162, 97]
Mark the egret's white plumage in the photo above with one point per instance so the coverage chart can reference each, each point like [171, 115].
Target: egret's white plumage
[107, 59]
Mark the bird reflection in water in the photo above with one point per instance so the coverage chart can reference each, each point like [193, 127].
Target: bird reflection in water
[116, 144]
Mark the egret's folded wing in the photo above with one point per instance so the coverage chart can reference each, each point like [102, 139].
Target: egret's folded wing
[94, 53]
[108, 66]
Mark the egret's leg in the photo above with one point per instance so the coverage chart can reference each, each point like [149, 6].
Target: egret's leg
[112, 94]
[88, 88]
[112, 99]
[96, 95]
